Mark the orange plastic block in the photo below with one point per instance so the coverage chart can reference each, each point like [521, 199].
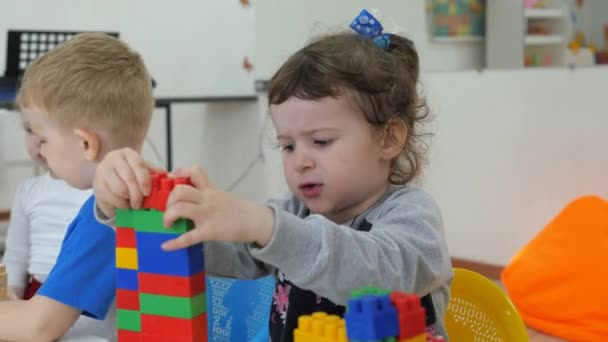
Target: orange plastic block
[320, 327]
[177, 286]
[127, 299]
[411, 315]
[161, 188]
[175, 329]
[125, 237]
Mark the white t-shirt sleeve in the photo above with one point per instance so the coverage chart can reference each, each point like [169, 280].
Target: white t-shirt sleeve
[17, 251]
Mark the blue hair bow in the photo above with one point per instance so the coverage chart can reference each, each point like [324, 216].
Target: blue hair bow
[366, 25]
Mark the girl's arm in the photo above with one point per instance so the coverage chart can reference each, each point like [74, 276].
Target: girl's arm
[404, 249]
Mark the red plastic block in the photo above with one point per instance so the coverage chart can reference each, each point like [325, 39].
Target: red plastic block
[125, 237]
[154, 338]
[127, 299]
[129, 336]
[172, 285]
[411, 315]
[161, 188]
[178, 329]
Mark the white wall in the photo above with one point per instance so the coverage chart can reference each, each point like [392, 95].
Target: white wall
[512, 148]
[283, 26]
[192, 48]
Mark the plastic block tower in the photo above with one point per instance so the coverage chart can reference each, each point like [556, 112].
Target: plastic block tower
[372, 315]
[160, 295]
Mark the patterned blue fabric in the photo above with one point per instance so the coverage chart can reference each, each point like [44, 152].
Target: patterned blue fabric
[238, 310]
[366, 25]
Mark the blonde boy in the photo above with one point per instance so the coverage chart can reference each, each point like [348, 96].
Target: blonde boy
[86, 97]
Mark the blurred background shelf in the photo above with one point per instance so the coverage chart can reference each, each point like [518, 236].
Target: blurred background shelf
[539, 39]
[458, 39]
[544, 13]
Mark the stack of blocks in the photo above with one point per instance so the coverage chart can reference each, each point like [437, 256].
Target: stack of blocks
[372, 315]
[160, 295]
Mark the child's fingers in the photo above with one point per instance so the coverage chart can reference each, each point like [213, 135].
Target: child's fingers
[108, 207]
[128, 177]
[197, 176]
[181, 210]
[184, 193]
[141, 170]
[154, 168]
[185, 240]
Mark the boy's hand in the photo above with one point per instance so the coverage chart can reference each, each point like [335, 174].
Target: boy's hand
[122, 179]
[217, 215]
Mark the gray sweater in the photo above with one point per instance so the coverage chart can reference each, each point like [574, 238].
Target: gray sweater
[397, 244]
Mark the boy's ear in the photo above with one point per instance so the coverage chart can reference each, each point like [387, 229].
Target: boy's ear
[89, 142]
[393, 138]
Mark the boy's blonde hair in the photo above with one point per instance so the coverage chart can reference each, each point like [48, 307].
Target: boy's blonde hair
[92, 80]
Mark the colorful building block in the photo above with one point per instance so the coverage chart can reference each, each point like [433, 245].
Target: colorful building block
[180, 307]
[125, 237]
[373, 315]
[161, 188]
[371, 318]
[410, 313]
[127, 299]
[178, 328]
[172, 285]
[128, 320]
[320, 327]
[152, 259]
[126, 279]
[126, 258]
[160, 295]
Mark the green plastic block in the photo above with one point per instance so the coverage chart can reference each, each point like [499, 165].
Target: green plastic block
[128, 320]
[369, 291]
[169, 306]
[124, 218]
[151, 220]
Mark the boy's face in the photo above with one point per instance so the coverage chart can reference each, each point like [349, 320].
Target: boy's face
[32, 141]
[62, 149]
[332, 161]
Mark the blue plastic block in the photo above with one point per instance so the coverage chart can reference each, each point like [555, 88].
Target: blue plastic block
[152, 259]
[371, 318]
[126, 279]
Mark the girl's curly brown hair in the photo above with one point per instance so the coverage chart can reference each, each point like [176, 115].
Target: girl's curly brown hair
[381, 84]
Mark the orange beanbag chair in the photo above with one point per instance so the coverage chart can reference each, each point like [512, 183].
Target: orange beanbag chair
[559, 280]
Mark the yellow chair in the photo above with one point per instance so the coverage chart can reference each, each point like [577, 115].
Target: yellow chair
[479, 310]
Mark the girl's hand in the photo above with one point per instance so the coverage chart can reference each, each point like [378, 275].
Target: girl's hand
[217, 215]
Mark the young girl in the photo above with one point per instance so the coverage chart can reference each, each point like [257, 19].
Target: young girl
[347, 115]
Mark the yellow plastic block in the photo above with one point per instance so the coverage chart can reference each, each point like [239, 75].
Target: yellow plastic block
[419, 338]
[126, 258]
[320, 327]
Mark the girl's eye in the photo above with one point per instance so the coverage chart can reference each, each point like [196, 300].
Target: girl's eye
[28, 130]
[323, 143]
[287, 148]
